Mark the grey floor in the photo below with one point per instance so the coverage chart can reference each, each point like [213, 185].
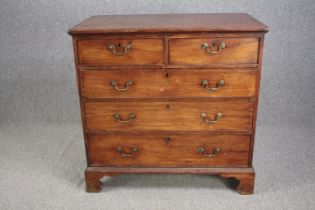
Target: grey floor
[42, 168]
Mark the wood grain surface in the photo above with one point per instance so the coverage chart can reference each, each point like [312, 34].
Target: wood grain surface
[169, 116]
[175, 83]
[237, 51]
[143, 51]
[148, 23]
[162, 150]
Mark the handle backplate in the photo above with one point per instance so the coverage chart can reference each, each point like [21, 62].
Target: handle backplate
[115, 85]
[205, 119]
[129, 119]
[119, 50]
[218, 47]
[130, 153]
[205, 84]
[204, 152]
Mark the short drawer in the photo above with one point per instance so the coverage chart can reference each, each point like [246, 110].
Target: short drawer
[213, 51]
[169, 116]
[120, 52]
[180, 150]
[175, 83]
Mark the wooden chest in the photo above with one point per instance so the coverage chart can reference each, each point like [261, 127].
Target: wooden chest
[169, 94]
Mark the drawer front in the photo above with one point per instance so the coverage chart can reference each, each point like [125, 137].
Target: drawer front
[150, 83]
[169, 116]
[214, 51]
[150, 150]
[120, 51]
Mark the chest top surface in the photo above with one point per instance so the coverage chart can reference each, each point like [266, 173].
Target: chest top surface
[221, 22]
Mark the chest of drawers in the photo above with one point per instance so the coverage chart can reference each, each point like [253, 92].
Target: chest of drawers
[169, 94]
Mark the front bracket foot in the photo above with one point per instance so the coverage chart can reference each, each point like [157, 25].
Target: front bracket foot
[245, 185]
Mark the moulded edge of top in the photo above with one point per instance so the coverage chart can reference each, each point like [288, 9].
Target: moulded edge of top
[172, 23]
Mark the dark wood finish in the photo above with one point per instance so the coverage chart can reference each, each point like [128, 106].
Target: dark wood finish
[168, 150]
[237, 51]
[172, 83]
[169, 116]
[143, 51]
[167, 63]
[156, 23]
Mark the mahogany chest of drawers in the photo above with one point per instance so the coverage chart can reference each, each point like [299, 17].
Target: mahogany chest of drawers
[169, 94]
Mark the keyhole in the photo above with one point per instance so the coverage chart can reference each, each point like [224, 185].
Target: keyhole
[166, 75]
[167, 140]
[167, 106]
[119, 45]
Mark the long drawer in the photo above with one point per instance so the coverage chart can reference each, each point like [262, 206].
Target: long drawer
[168, 150]
[176, 83]
[169, 116]
[214, 51]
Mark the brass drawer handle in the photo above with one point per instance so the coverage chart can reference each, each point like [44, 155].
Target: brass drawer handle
[115, 84]
[206, 154]
[205, 84]
[121, 50]
[121, 151]
[204, 117]
[219, 49]
[130, 118]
